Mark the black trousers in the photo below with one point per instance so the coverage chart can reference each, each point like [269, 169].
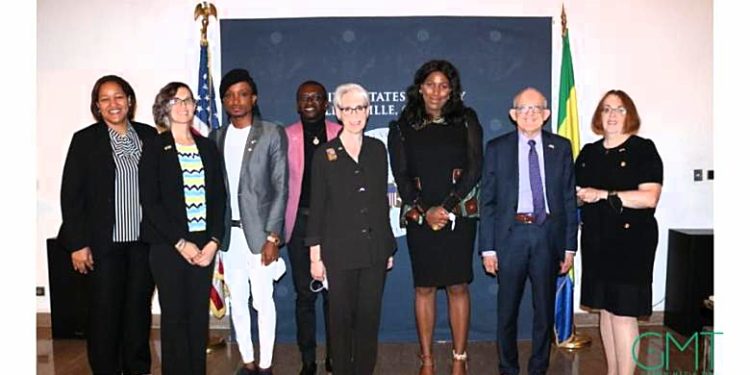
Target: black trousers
[299, 258]
[120, 289]
[526, 255]
[355, 301]
[184, 298]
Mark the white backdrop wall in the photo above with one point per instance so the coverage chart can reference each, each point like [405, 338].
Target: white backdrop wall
[660, 52]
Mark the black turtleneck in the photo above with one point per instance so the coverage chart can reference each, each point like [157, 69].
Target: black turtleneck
[312, 130]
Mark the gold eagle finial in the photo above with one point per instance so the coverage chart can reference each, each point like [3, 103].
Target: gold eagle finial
[205, 10]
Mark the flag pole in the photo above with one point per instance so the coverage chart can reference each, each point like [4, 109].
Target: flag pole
[205, 10]
[576, 340]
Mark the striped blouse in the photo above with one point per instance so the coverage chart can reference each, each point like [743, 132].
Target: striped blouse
[194, 183]
[126, 152]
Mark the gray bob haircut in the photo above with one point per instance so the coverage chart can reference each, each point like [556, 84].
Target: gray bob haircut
[346, 88]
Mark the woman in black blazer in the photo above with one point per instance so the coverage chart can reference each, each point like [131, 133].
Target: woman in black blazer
[101, 217]
[349, 233]
[183, 198]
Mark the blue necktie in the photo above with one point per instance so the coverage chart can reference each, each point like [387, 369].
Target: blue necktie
[537, 191]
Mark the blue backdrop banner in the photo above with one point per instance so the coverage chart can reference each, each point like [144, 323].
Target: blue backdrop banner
[496, 57]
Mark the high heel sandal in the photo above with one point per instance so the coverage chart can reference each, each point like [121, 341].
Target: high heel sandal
[426, 365]
[461, 358]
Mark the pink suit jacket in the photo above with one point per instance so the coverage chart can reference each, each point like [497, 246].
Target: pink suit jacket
[296, 160]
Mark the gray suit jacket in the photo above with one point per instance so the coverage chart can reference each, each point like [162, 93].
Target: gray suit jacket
[263, 183]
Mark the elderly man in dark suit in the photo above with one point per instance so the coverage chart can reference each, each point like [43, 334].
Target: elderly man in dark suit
[255, 155]
[528, 227]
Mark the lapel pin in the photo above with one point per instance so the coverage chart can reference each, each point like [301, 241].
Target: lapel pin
[551, 146]
[331, 154]
[621, 150]
[168, 147]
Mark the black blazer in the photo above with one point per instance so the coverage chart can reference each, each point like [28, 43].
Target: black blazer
[87, 193]
[349, 212]
[162, 190]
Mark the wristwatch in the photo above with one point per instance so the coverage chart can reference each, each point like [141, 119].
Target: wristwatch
[273, 238]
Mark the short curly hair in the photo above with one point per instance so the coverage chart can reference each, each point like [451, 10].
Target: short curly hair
[161, 106]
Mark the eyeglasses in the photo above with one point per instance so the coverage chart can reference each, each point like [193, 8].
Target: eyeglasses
[187, 101]
[619, 110]
[524, 109]
[317, 285]
[353, 110]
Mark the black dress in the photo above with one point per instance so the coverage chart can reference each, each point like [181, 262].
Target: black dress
[423, 160]
[618, 248]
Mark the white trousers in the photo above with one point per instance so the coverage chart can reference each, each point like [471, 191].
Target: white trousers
[243, 274]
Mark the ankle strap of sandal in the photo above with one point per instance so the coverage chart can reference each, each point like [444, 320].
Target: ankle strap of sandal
[426, 360]
[459, 357]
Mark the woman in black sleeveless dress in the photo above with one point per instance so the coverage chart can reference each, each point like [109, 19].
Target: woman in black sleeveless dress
[436, 159]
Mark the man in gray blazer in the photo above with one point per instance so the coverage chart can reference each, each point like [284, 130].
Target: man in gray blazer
[255, 160]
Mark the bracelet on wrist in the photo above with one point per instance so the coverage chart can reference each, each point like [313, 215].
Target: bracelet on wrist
[216, 240]
[180, 244]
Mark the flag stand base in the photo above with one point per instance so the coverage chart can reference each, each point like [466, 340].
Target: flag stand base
[575, 342]
[214, 343]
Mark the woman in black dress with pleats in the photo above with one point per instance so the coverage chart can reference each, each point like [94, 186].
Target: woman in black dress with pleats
[620, 179]
[436, 159]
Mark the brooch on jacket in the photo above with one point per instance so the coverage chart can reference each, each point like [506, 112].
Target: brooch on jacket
[331, 154]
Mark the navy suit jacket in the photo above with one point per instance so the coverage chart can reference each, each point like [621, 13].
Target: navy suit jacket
[499, 199]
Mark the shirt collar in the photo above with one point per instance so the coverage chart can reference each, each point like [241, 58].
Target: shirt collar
[523, 140]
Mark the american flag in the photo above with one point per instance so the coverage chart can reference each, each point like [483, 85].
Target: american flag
[219, 290]
[206, 115]
[206, 121]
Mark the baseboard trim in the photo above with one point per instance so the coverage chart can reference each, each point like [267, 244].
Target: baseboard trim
[581, 319]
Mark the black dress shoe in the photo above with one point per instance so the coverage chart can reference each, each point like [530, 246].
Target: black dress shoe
[264, 371]
[329, 366]
[308, 369]
[246, 371]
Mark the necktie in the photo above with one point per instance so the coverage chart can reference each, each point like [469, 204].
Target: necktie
[537, 191]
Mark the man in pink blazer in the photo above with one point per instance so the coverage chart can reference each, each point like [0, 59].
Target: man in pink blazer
[305, 136]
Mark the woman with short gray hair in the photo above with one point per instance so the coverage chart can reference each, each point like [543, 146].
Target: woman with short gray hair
[349, 234]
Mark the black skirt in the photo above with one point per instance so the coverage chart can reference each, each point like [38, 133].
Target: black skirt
[441, 258]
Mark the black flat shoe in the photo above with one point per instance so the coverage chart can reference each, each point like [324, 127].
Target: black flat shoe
[247, 371]
[329, 366]
[308, 369]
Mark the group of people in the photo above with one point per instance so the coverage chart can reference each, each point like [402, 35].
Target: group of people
[142, 208]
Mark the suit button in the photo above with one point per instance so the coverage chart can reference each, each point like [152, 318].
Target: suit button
[363, 211]
[361, 190]
[626, 226]
[356, 171]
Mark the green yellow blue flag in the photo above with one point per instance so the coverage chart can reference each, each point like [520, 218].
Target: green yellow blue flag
[567, 126]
